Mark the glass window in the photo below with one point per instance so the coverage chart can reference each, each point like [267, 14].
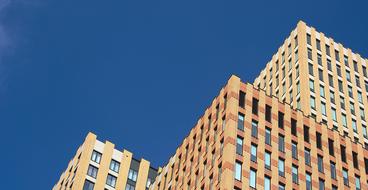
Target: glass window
[344, 121]
[88, 185]
[348, 77]
[129, 187]
[255, 129]
[323, 108]
[111, 180]
[132, 175]
[281, 143]
[321, 184]
[345, 176]
[238, 171]
[308, 179]
[268, 136]
[320, 163]
[294, 150]
[92, 171]
[253, 178]
[114, 166]
[253, 153]
[334, 116]
[333, 170]
[319, 59]
[267, 183]
[96, 157]
[311, 85]
[322, 91]
[281, 167]
[241, 122]
[337, 55]
[328, 50]
[313, 102]
[267, 160]
[255, 106]
[307, 156]
[281, 186]
[354, 125]
[357, 183]
[352, 108]
[310, 66]
[332, 97]
[309, 40]
[318, 44]
[294, 171]
[239, 146]
[320, 75]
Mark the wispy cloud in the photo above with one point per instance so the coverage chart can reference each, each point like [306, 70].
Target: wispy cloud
[5, 40]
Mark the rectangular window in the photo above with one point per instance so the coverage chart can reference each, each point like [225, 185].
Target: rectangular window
[366, 165]
[321, 184]
[357, 183]
[294, 171]
[323, 108]
[267, 160]
[320, 74]
[311, 85]
[309, 39]
[354, 125]
[88, 185]
[281, 120]
[355, 160]
[307, 156]
[96, 156]
[318, 44]
[322, 91]
[132, 175]
[313, 103]
[331, 147]
[239, 146]
[343, 153]
[320, 163]
[345, 176]
[337, 55]
[364, 71]
[253, 151]
[346, 61]
[253, 178]
[319, 59]
[255, 106]
[241, 122]
[238, 171]
[267, 183]
[111, 180]
[333, 170]
[254, 129]
[268, 136]
[329, 65]
[310, 68]
[352, 108]
[268, 113]
[332, 97]
[319, 140]
[281, 167]
[92, 171]
[242, 99]
[293, 127]
[114, 166]
[281, 143]
[334, 115]
[294, 150]
[328, 50]
[306, 133]
[308, 179]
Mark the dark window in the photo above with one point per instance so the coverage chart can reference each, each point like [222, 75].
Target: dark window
[343, 153]
[319, 140]
[293, 127]
[294, 150]
[242, 99]
[268, 136]
[309, 41]
[320, 74]
[328, 50]
[318, 43]
[306, 133]
[310, 66]
[366, 165]
[281, 120]
[331, 147]
[241, 122]
[337, 55]
[88, 185]
[254, 129]
[355, 160]
[281, 143]
[255, 106]
[268, 113]
[320, 163]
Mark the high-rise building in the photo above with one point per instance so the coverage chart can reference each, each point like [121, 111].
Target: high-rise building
[249, 140]
[300, 125]
[98, 165]
[322, 78]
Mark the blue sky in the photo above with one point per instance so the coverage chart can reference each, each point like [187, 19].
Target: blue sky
[137, 73]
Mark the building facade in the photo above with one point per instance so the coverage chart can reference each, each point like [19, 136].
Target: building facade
[322, 78]
[249, 140]
[97, 165]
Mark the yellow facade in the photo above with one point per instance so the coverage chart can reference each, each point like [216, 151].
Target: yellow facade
[332, 81]
[113, 169]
